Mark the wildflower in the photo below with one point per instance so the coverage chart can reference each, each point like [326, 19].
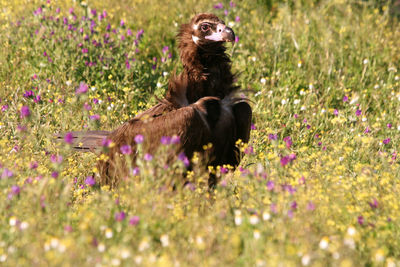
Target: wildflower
[373, 204]
[324, 243]
[165, 49]
[175, 139]
[139, 139]
[360, 220]
[256, 234]
[108, 233]
[119, 216]
[219, 6]
[4, 108]
[122, 23]
[25, 112]
[33, 165]
[148, 157]
[254, 219]
[134, 220]
[165, 140]
[288, 141]
[270, 185]
[139, 34]
[94, 117]
[6, 173]
[253, 127]
[83, 88]
[237, 19]
[126, 149]
[54, 174]
[266, 216]
[68, 138]
[272, 137]
[345, 98]
[358, 112]
[236, 39]
[164, 240]
[56, 159]
[90, 181]
[367, 130]
[135, 171]
[285, 160]
[389, 125]
[386, 141]
[310, 206]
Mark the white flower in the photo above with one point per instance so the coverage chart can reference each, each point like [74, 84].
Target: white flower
[54, 243]
[398, 128]
[24, 225]
[365, 61]
[348, 241]
[238, 220]
[305, 260]
[68, 83]
[263, 80]
[256, 234]
[323, 244]
[3, 258]
[303, 108]
[311, 86]
[93, 88]
[284, 101]
[296, 101]
[115, 262]
[302, 92]
[165, 73]
[364, 119]
[125, 254]
[376, 86]
[231, 24]
[108, 233]
[159, 84]
[396, 78]
[323, 111]
[164, 240]
[254, 219]
[266, 216]
[254, 59]
[13, 221]
[351, 231]
[138, 260]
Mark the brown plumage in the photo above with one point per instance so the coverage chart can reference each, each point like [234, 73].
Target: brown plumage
[199, 105]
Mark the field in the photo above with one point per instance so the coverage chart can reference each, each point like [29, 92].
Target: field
[318, 185]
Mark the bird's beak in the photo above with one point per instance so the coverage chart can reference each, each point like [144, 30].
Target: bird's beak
[223, 34]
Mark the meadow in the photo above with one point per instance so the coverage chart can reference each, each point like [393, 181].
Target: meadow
[319, 182]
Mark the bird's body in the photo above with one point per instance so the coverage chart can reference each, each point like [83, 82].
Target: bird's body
[199, 106]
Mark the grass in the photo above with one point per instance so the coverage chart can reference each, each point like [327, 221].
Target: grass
[318, 186]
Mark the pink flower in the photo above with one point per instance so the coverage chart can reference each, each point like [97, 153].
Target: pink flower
[119, 216]
[90, 181]
[25, 112]
[139, 139]
[134, 220]
[68, 138]
[126, 149]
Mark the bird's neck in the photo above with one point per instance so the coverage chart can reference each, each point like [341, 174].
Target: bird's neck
[207, 71]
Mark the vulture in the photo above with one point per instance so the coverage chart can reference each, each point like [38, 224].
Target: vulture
[201, 106]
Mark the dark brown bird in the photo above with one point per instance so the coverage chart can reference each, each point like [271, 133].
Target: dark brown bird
[199, 106]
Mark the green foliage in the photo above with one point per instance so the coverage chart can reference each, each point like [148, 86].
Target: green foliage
[318, 184]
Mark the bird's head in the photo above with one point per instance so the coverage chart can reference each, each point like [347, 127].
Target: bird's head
[209, 29]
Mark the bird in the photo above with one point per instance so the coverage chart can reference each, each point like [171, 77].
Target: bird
[201, 105]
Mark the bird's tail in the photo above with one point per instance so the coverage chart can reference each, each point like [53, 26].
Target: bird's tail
[84, 141]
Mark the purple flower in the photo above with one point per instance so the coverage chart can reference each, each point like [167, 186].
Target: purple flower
[87, 106]
[122, 23]
[360, 220]
[139, 139]
[54, 174]
[386, 141]
[285, 160]
[136, 171]
[293, 205]
[90, 181]
[129, 32]
[367, 130]
[83, 88]
[134, 220]
[335, 112]
[310, 206]
[288, 141]
[232, 4]
[389, 125]
[148, 157]
[236, 39]
[68, 138]
[119, 216]
[175, 140]
[106, 142]
[15, 190]
[33, 165]
[219, 6]
[226, 12]
[165, 140]
[182, 157]
[56, 159]
[270, 185]
[28, 94]
[272, 137]
[237, 19]
[25, 112]
[274, 208]
[6, 173]
[126, 149]
[373, 204]
[358, 112]
[253, 127]
[4, 108]
[345, 98]
[94, 117]
[139, 34]
[165, 49]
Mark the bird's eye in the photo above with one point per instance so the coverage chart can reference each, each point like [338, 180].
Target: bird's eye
[205, 27]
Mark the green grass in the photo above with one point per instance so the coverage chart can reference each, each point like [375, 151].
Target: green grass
[324, 73]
